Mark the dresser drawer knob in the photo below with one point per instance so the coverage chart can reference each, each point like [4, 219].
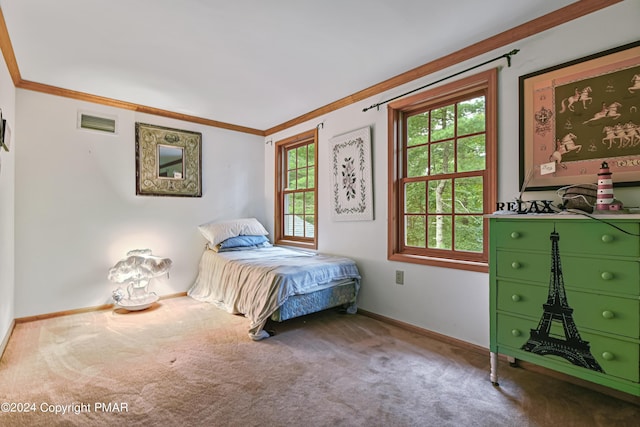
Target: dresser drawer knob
[515, 297]
[515, 265]
[607, 314]
[607, 355]
[607, 238]
[606, 275]
[516, 332]
[515, 235]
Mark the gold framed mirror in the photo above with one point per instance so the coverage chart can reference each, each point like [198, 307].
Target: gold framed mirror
[168, 161]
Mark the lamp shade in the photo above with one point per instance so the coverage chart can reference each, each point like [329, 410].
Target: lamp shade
[139, 267]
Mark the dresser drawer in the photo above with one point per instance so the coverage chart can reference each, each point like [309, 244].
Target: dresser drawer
[619, 316]
[533, 267]
[521, 299]
[583, 237]
[521, 234]
[607, 275]
[617, 358]
[592, 237]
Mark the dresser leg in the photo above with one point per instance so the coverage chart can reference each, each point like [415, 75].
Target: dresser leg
[494, 368]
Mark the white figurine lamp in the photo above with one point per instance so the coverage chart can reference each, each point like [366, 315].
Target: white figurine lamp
[137, 270]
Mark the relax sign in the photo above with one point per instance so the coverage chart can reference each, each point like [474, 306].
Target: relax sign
[526, 207]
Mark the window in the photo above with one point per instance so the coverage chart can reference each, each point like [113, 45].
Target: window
[296, 197]
[442, 174]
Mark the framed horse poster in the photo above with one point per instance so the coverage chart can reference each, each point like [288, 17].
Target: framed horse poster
[577, 115]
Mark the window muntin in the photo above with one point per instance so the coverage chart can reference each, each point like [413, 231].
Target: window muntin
[296, 197]
[442, 174]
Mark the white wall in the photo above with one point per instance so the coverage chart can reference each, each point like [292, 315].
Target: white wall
[447, 301]
[77, 212]
[7, 215]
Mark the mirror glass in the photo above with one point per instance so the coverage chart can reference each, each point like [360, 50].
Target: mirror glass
[170, 162]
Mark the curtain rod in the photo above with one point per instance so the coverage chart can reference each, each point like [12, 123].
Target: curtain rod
[506, 55]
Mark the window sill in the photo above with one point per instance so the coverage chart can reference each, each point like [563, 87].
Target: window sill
[296, 243]
[441, 262]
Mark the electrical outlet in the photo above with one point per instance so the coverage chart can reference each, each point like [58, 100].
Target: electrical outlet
[399, 277]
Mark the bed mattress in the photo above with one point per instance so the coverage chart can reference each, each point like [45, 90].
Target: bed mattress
[258, 282]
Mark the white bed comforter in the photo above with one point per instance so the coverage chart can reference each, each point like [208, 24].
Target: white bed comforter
[256, 282]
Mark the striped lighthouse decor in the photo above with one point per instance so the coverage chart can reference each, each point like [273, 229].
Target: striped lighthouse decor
[604, 197]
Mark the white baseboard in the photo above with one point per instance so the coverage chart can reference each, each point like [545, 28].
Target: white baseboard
[5, 340]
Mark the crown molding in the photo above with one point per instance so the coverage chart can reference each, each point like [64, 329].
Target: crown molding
[81, 96]
[7, 51]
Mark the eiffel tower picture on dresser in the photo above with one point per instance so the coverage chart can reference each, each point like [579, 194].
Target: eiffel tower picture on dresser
[557, 333]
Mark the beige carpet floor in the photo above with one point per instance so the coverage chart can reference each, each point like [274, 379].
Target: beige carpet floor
[186, 363]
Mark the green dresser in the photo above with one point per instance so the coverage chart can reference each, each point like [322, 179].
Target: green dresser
[565, 294]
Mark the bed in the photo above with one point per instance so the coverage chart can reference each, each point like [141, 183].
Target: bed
[263, 282]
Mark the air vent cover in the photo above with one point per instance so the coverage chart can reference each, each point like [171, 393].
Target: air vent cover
[102, 124]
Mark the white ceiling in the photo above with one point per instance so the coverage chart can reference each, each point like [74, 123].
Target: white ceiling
[253, 63]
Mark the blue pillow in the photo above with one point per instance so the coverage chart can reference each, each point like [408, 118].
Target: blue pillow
[243, 241]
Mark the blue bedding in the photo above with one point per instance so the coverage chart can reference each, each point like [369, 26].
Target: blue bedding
[257, 282]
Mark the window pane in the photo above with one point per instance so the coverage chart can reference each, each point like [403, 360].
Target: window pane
[309, 226]
[471, 116]
[302, 178]
[440, 196]
[311, 154]
[298, 226]
[288, 225]
[442, 123]
[472, 153]
[298, 207]
[440, 232]
[291, 180]
[301, 152]
[288, 203]
[442, 158]
[311, 181]
[469, 233]
[415, 197]
[418, 129]
[309, 204]
[469, 195]
[417, 161]
[415, 231]
[291, 159]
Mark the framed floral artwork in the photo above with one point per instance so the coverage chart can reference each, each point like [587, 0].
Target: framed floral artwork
[578, 115]
[351, 181]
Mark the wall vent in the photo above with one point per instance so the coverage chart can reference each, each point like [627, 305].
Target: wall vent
[99, 123]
